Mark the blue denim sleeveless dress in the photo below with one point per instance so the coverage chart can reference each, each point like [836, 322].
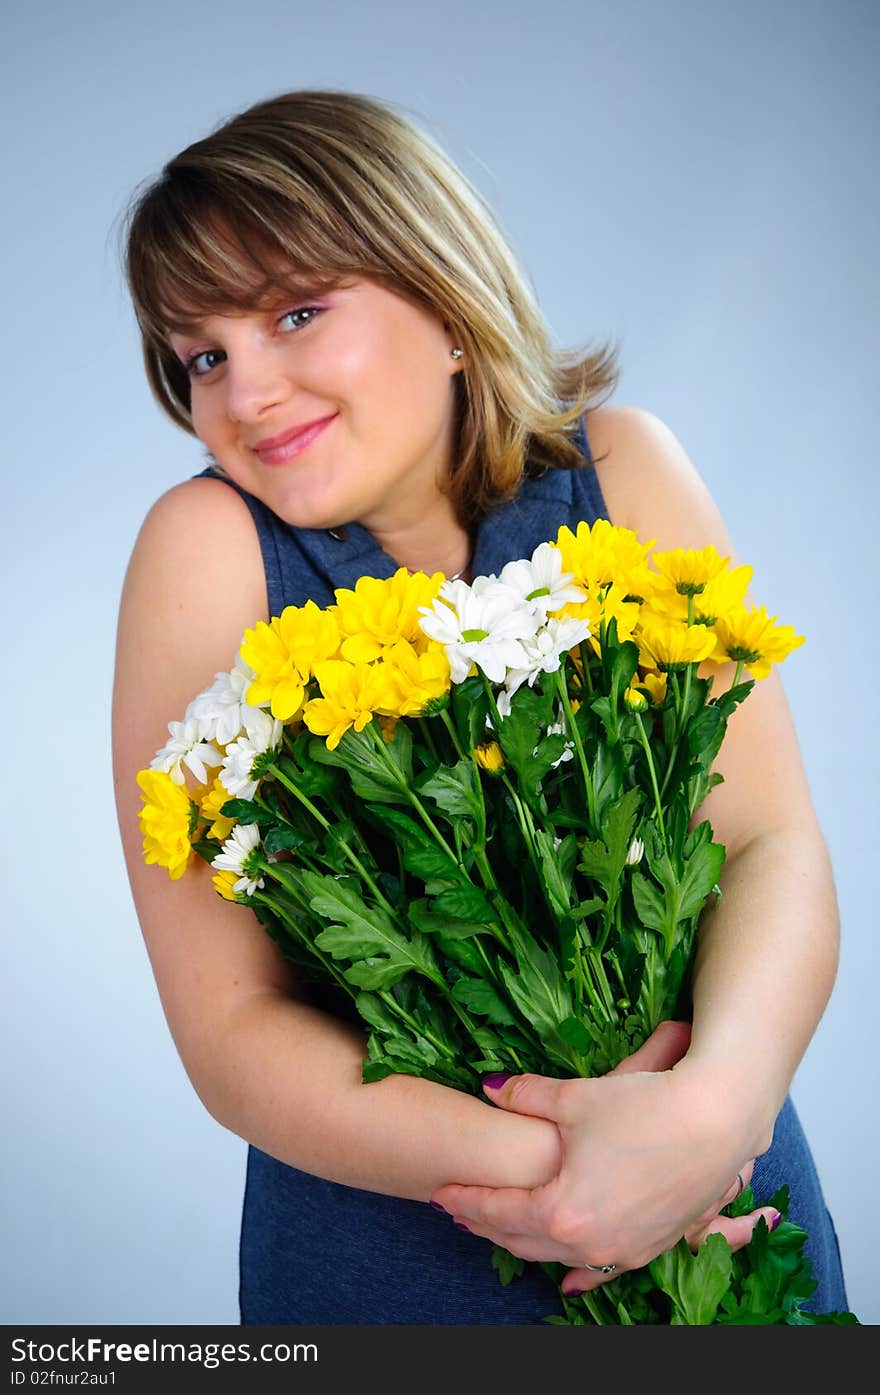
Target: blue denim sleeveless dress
[314, 1252]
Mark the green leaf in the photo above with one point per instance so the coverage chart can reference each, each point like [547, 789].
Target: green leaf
[376, 1013]
[400, 827]
[376, 1070]
[244, 811]
[470, 708]
[557, 865]
[339, 837]
[431, 863]
[480, 997]
[283, 838]
[701, 872]
[575, 1033]
[538, 991]
[462, 952]
[695, 1283]
[305, 772]
[465, 902]
[368, 772]
[519, 735]
[366, 935]
[605, 860]
[509, 1266]
[371, 972]
[422, 915]
[455, 790]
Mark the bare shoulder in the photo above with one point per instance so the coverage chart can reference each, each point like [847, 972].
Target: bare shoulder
[195, 582]
[650, 483]
[200, 519]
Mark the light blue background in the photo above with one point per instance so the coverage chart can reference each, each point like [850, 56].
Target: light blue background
[697, 178]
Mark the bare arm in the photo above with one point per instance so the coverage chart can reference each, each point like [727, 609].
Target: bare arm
[266, 1064]
[768, 948]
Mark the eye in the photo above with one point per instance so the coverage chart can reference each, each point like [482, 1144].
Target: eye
[198, 364]
[295, 317]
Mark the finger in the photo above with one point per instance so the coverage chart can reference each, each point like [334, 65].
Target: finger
[578, 1281]
[739, 1183]
[531, 1247]
[664, 1049]
[491, 1209]
[737, 1230]
[540, 1095]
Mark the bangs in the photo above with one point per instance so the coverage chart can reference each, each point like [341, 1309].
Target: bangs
[187, 259]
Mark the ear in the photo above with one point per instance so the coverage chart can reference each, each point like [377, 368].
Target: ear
[456, 353]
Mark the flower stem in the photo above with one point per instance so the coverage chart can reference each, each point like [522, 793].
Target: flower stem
[349, 853]
[450, 727]
[493, 705]
[413, 798]
[646, 747]
[571, 724]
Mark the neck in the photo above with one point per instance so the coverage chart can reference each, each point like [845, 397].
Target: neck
[433, 542]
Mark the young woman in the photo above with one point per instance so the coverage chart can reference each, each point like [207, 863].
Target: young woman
[328, 305]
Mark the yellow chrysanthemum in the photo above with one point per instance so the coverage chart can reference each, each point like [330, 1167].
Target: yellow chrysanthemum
[665, 643]
[750, 636]
[489, 757]
[407, 681]
[656, 684]
[724, 592]
[379, 613]
[285, 653]
[165, 820]
[223, 883]
[348, 699]
[690, 571]
[211, 799]
[605, 605]
[599, 555]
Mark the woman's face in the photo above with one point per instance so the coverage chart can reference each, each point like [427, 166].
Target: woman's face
[330, 410]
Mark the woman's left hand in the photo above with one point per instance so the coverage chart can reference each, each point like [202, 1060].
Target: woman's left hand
[644, 1162]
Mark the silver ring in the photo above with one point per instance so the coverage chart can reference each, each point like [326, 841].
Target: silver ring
[739, 1178]
[600, 1268]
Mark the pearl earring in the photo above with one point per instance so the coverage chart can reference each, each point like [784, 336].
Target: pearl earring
[457, 353]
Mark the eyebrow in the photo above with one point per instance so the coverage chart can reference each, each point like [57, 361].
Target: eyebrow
[293, 290]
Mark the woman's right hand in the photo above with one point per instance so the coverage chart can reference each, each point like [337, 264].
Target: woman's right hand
[636, 1162]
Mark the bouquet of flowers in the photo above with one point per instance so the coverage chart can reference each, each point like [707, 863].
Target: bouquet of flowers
[471, 808]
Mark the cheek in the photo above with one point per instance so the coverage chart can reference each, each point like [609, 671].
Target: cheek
[208, 417]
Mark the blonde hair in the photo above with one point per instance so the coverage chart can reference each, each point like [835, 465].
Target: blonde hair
[313, 188]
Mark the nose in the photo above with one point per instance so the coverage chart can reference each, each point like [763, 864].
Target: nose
[254, 383]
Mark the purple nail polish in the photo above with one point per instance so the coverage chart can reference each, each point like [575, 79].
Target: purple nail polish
[573, 1292]
[495, 1081]
[775, 1221]
[458, 1226]
[437, 1207]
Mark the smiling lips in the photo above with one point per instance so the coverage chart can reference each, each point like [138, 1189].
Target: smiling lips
[275, 450]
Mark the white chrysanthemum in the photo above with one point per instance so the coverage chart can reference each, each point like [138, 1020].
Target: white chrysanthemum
[558, 729]
[262, 733]
[544, 650]
[186, 748]
[541, 584]
[222, 710]
[635, 853]
[234, 856]
[483, 624]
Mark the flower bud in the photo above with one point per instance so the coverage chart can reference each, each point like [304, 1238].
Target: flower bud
[489, 757]
[635, 701]
[636, 852]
